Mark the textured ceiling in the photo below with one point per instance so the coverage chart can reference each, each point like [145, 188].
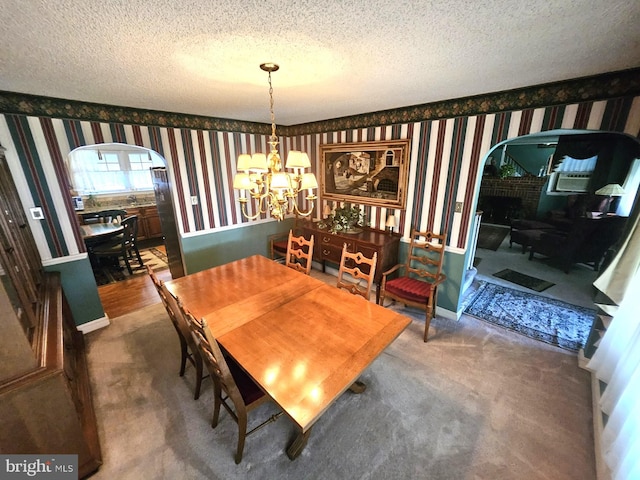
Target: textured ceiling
[336, 57]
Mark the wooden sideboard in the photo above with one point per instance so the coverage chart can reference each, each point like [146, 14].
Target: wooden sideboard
[46, 407]
[328, 247]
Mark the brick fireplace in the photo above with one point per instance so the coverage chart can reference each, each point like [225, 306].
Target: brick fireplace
[502, 199]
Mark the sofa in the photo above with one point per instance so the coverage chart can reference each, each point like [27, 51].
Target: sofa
[586, 242]
[579, 233]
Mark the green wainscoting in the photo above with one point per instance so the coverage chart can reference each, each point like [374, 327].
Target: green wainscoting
[80, 289]
[212, 249]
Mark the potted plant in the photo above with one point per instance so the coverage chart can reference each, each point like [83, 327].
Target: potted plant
[345, 219]
[507, 170]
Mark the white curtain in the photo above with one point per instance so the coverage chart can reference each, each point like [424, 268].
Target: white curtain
[616, 362]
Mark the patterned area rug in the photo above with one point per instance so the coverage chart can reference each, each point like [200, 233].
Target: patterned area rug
[551, 321]
[106, 273]
[523, 280]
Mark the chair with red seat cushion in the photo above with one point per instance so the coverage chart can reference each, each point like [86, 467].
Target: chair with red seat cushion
[417, 285]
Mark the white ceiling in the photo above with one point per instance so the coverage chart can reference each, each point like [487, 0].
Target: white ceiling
[336, 57]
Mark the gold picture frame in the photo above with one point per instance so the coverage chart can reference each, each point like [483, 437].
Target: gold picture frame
[369, 173]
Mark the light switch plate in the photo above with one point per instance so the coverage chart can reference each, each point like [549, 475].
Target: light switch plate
[194, 200]
[36, 213]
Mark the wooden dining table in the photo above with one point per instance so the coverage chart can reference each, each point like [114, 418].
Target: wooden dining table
[96, 231]
[304, 342]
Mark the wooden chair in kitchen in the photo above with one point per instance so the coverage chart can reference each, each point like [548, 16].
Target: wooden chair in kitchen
[356, 267]
[299, 253]
[415, 283]
[188, 349]
[233, 388]
[124, 246]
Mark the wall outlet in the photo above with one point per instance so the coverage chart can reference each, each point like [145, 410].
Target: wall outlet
[194, 200]
[458, 207]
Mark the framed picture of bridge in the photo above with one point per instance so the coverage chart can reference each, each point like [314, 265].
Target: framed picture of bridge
[370, 173]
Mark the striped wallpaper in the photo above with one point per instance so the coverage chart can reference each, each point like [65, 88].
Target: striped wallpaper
[446, 158]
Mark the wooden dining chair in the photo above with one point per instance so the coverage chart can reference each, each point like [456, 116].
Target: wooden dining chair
[230, 383]
[279, 242]
[124, 246]
[299, 253]
[418, 280]
[359, 268]
[188, 349]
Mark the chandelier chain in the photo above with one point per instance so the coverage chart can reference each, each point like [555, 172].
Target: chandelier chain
[273, 116]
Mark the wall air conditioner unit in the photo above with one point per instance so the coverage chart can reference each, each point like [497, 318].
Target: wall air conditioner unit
[573, 182]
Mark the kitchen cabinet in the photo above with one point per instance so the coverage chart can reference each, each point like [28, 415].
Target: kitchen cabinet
[148, 221]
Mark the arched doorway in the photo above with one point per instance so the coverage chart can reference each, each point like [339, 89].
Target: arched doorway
[544, 178]
[132, 179]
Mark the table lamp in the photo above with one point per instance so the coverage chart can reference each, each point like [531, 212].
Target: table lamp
[391, 223]
[611, 190]
[326, 211]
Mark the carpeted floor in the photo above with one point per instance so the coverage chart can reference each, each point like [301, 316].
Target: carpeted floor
[475, 402]
[542, 318]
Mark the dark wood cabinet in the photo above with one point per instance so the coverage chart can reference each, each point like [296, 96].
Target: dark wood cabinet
[328, 247]
[45, 394]
[148, 221]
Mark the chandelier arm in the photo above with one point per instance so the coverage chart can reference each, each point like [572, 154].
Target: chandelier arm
[303, 214]
[246, 213]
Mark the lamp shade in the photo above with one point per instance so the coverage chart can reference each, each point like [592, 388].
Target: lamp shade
[241, 181]
[244, 162]
[308, 181]
[391, 221]
[297, 159]
[611, 190]
[258, 162]
[280, 181]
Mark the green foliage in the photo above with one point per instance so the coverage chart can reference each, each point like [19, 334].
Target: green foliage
[344, 218]
[507, 170]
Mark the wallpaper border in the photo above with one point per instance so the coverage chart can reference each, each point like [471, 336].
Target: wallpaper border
[593, 88]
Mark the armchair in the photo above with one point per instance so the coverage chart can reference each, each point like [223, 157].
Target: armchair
[417, 285]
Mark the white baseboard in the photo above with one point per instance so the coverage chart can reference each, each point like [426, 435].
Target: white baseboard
[602, 470]
[93, 325]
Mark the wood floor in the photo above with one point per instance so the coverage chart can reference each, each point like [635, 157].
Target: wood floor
[127, 296]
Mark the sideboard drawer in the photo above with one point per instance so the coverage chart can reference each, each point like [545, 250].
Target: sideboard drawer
[366, 249]
[330, 252]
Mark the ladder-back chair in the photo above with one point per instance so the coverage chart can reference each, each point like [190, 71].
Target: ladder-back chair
[420, 276]
[124, 246]
[299, 253]
[188, 349]
[359, 268]
[230, 382]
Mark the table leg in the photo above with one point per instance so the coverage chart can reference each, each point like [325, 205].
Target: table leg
[358, 387]
[295, 449]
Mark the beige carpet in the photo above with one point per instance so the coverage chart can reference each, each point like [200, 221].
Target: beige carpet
[476, 402]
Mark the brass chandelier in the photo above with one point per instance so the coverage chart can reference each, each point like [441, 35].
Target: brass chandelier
[271, 188]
